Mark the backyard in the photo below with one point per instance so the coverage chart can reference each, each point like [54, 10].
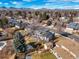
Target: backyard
[44, 55]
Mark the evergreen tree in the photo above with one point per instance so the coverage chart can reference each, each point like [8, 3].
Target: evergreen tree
[3, 22]
[19, 42]
[44, 16]
[49, 23]
[0, 23]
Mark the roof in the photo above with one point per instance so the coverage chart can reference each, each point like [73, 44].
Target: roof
[73, 25]
[49, 35]
[12, 20]
[29, 47]
[42, 30]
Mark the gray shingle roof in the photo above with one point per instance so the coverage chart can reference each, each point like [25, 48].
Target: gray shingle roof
[74, 25]
[49, 35]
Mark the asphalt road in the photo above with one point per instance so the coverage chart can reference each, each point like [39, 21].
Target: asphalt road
[72, 36]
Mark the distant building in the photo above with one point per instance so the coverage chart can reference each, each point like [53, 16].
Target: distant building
[72, 27]
[40, 32]
[29, 28]
[76, 19]
[64, 19]
[20, 25]
[12, 22]
[69, 30]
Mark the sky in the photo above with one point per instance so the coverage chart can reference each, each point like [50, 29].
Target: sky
[37, 4]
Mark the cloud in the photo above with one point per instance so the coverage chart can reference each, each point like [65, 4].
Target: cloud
[0, 2]
[56, 6]
[47, 5]
[37, 4]
[71, 7]
[35, 7]
[72, 0]
[62, 0]
[6, 3]
[54, 0]
[14, 2]
[51, 0]
[27, 0]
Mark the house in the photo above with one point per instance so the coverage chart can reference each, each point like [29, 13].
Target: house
[16, 23]
[12, 22]
[20, 25]
[44, 34]
[76, 19]
[64, 19]
[40, 32]
[72, 27]
[49, 36]
[28, 28]
[69, 30]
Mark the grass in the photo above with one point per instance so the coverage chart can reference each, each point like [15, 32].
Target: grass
[44, 55]
[29, 40]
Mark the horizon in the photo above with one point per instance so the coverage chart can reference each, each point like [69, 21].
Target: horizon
[39, 4]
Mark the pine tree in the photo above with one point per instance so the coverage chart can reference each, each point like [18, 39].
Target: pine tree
[44, 16]
[19, 42]
[3, 22]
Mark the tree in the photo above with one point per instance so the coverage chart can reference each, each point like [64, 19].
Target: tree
[0, 23]
[19, 42]
[3, 22]
[44, 16]
[10, 13]
[49, 23]
[19, 13]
